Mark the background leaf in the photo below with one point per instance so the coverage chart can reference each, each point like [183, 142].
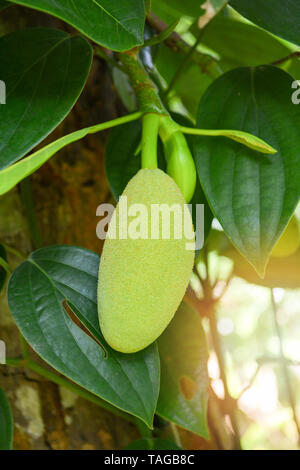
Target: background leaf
[170, 10]
[184, 378]
[252, 195]
[167, 63]
[280, 272]
[240, 44]
[115, 25]
[6, 423]
[3, 4]
[152, 444]
[281, 18]
[121, 163]
[3, 273]
[44, 77]
[124, 89]
[36, 292]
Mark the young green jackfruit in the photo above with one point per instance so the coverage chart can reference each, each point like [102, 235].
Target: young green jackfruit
[143, 280]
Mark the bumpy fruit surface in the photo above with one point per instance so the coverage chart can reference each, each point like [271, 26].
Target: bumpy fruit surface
[289, 241]
[142, 281]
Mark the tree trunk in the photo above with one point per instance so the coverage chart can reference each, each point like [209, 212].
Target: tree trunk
[66, 192]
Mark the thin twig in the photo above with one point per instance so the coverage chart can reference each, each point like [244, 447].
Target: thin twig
[250, 383]
[13, 251]
[5, 265]
[183, 65]
[24, 347]
[260, 362]
[285, 370]
[176, 435]
[160, 37]
[174, 41]
[101, 54]
[267, 360]
[293, 55]
[229, 400]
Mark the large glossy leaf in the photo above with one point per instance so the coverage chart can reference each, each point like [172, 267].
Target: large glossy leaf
[44, 77]
[6, 423]
[184, 378]
[238, 43]
[253, 195]
[114, 24]
[37, 293]
[280, 17]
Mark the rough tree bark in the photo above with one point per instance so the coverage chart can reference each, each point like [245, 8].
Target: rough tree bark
[66, 192]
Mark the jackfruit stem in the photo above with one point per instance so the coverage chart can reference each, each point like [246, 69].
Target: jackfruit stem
[144, 89]
[149, 140]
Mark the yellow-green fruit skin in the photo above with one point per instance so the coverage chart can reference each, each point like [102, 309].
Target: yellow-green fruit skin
[289, 241]
[142, 281]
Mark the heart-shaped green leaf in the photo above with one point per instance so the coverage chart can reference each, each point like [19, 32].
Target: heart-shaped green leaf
[184, 378]
[281, 18]
[43, 77]
[6, 423]
[37, 293]
[253, 195]
[115, 25]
